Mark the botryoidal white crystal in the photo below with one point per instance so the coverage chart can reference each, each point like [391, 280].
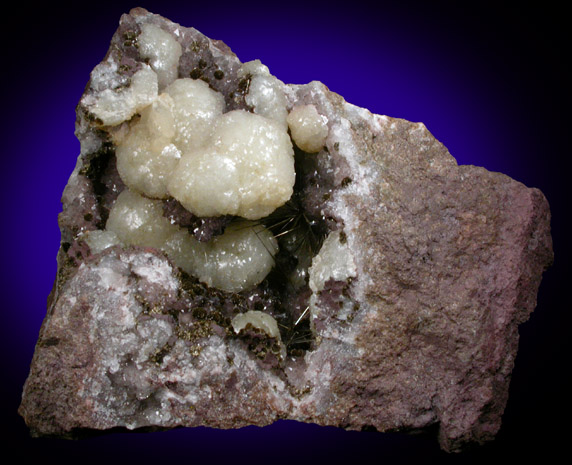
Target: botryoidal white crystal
[265, 95]
[247, 169]
[179, 120]
[237, 260]
[146, 156]
[257, 319]
[179, 143]
[237, 163]
[112, 106]
[195, 110]
[162, 51]
[309, 129]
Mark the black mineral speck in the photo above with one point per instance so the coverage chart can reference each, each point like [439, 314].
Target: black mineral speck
[244, 84]
[49, 342]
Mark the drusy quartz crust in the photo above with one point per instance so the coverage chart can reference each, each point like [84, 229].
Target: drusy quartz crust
[236, 250]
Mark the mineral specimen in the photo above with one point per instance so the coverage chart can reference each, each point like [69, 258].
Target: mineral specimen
[236, 250]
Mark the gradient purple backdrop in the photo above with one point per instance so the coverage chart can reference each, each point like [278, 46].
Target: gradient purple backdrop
[488, 82]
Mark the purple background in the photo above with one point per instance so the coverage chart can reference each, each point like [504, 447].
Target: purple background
[488, 82]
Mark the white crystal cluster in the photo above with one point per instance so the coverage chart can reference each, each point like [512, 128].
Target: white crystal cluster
[236, 260]
[333, 261]
[236, 163]
[184, 146]
[309, 129]
[265, 95]
[258, 320]
[246, 170]
[162, 51]
[179, 120]
[174, 139]
[112, 105]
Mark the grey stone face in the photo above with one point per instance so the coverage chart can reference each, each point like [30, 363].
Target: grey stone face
[419, 330]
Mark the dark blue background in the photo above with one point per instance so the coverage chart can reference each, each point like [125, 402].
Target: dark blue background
[488, 81]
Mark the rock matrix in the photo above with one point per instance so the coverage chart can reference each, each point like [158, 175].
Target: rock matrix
[236, 251]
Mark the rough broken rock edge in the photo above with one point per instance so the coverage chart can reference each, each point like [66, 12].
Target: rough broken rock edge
[449, 260]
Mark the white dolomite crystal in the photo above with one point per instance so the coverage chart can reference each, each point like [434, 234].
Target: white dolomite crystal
[146, 156]
[162, 51]
[180, 119]
[247, 169]
[258, 320]
[183, 250]
[309, 129]
[253, 67]
[237, 260]
[195, 111]
[181, 144]
[99, 240]
[333, 261]
[113, 106]
[265, 93]
[139, 221]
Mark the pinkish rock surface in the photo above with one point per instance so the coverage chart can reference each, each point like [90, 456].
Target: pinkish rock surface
[448, 260]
